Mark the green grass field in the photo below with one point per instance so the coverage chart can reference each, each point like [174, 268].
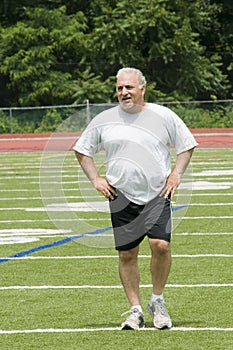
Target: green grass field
[59, 275]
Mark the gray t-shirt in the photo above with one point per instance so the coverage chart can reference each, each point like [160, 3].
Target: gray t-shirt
[137, 148]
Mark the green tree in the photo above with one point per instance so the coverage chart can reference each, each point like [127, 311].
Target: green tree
[38, 56]
[220, 39]
[50, 121]
[11, 11]
[52, 54]
[164, 38]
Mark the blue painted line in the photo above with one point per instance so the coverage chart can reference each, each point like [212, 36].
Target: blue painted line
[54, 244]
[180, 207]
[65, 240]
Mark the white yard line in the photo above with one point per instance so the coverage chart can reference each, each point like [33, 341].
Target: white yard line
[104, 219]
[89, 188]
[203, 217]
[202, 233]
[58, 220]
[80, 204]
[210, 204]
[213, 285]
[81, 330]
[74, 257]
[20, 233]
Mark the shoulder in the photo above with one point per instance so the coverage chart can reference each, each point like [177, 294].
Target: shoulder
[105, 116]
[166, 113]
[159, 109]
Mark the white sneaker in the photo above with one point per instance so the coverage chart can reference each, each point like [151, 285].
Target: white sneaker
[134, 321]
[158, 312]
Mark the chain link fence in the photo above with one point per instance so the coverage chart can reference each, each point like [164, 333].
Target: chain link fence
[69, 118]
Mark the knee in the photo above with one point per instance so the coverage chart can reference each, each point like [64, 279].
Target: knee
[160, 247]
[127, 256]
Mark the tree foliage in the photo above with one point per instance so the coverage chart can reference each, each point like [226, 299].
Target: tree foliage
[38, 55]
[62, 52]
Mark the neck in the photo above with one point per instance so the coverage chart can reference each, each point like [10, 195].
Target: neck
[136, 108]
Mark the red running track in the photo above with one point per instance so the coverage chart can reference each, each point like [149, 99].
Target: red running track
[207, 138]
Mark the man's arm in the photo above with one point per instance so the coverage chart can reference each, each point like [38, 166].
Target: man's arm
[100, 183]
[173, 180]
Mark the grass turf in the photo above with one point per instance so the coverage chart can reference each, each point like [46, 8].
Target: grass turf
[60, 317]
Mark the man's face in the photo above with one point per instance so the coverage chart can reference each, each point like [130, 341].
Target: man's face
[130, 95]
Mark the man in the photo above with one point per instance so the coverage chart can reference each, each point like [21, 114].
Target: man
[136, 137]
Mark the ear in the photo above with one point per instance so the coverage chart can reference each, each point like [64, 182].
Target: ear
[143, 90]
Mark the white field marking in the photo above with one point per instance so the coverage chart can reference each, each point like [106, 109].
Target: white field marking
[28, 175]
[72, 175]
[73, 171]
[203, 217]
[101, 206]
[220, 179]
[34, 164]
[49, 233]
[52, 197]
[214, 172]
[20, 236]
[80, 257]
[21, 190]
[205, 194]
[199, 166]
[221, 165]
[213, 285]
[38, 237]
[190, 186]
[98, 206]
[83, 179]
[86, 204]
[205, 185]
[58, 220]
[18, 240]
[202, 233]
[31, 231]
[81, 330]
[98, 196]
[194, 186]
[202, 255]
[104, 219]
[54, 182]
[24, 171]
[210, 204]
[37, 190]
[40, 176]
[111, 234]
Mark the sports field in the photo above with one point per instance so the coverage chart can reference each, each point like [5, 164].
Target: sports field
[59, 284]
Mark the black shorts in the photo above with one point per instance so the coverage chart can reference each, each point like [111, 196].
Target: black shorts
[132, 222]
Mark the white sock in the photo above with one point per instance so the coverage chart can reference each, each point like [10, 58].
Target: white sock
[138, 307]
[154, 297]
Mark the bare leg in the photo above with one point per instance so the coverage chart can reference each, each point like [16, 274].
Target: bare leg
[160, 264]
[129, 274]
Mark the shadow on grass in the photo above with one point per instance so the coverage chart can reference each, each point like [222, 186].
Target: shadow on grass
[187, 324]
[149, 324]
